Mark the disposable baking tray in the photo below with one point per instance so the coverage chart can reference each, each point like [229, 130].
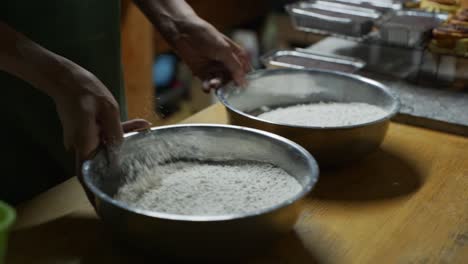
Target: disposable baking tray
[332, 18]
[444, 70]
[299, 59]
[436, 100]
[383, 4]
[409, 28]
[354, 7]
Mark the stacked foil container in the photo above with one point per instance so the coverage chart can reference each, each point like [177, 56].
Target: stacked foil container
[377, 25]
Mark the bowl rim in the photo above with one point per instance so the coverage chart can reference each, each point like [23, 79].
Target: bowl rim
[220, 93]
[312, 179]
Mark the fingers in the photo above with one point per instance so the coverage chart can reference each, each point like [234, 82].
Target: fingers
[109, 120]
[86, 137]
[135, 125]
[237, 62]
[90, 141]
[67, 136]
[86, 141]
[235, 67]
[211, 84]
[241, 53]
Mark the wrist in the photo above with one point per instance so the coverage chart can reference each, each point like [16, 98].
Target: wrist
[177, 30]
[65, 79]
[60, 77]
[41, 67]
[170, 17]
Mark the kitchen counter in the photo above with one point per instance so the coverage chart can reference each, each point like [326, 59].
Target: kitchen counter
[428, 104]
[405, 203]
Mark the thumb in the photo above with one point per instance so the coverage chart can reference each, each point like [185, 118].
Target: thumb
[211, 84]
[135, 125]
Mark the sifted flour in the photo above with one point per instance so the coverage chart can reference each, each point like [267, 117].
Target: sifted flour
[211, 188]
[325, 114]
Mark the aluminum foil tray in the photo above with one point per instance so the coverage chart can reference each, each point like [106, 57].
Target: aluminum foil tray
[409, 28]
[380, 5]
[383, 4]
[332, 18]
[300, 59]
[429, 104]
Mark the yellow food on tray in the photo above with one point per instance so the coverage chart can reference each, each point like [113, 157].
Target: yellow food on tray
[412, 4]
[452, 36]
[461, 18]
[449, 6]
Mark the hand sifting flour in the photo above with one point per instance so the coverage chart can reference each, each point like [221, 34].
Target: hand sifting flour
[209, 188]
[325, 114]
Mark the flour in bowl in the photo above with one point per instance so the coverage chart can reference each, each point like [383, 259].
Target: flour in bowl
[325, 114]
[209, 188]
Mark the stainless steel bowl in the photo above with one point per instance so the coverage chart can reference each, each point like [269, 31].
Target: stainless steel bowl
[192, 235]
[331, 146]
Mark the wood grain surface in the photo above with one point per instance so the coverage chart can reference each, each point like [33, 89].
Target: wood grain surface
[405, 203]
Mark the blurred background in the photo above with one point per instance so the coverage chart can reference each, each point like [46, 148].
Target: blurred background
[160, 87]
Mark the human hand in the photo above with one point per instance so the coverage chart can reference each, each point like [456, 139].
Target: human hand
[127, 127]
[211, 56]
[89, 114]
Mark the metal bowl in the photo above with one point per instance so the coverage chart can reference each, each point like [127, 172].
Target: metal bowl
[331, 146]
[192, 235]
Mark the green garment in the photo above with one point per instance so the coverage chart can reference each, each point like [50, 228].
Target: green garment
[84, 31]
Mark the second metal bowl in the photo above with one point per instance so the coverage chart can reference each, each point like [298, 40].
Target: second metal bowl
[331, 146]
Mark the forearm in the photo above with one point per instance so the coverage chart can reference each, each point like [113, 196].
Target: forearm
[168, 16]
[30, 62]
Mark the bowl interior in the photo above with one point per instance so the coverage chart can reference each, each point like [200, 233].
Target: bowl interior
[270, 89]
[198, 142]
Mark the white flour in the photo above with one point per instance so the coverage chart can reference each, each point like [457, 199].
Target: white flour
[325, 114]
[193, 188]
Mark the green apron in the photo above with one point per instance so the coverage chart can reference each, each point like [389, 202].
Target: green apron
[84, 31]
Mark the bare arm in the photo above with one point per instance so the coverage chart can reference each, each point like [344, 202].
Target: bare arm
[87, 110]
[26, 60]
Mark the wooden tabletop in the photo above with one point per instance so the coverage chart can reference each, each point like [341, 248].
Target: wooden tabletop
[405, 203]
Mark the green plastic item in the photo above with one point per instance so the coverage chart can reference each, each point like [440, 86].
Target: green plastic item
[7, 217]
